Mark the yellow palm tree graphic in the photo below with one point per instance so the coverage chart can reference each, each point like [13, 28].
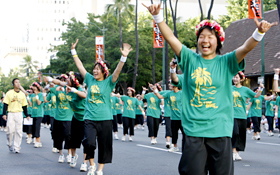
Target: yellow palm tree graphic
[258, 102]
[201, 78]
[271, 107]
[236, 99]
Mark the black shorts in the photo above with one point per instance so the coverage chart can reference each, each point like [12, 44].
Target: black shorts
[77, 133]
[36, 128]
[61, 132]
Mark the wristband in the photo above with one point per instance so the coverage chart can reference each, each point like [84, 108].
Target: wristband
[27, 98]
[276, 114]
[143, 92]
[75, 56]
[155, 91]
[44, 94]
[143, 113]
[123, 59]
[261, 89]
[276, 77]
[113, 94]
[272, 96]
[247, 112]
[172, 70]
[74, 90]
[73, 52]
[257, 35]
[158, 18]
[50, 79]
[37, 97]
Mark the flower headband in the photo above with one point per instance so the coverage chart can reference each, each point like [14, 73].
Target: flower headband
[213, 25]
[130, 88]
[159, 87]
[64, 76]
[36, 84]
[105, 68]
[242, 75]
[73, 77]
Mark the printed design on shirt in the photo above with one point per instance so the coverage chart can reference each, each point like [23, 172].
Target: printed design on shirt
[118, 106]
[202, 77]
[173, 103]
[34, 101]
[153, 103]
[50, 106]
[54, 102]
[16, 99]
[68, 97]
[258, 103]
[95, 95]
[63, 101]
[46, 107]
[129, 105]
[271, 106]
[237, 99]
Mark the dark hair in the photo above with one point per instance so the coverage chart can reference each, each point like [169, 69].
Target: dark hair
[102, 70]
[219, 44]
[13, 82]
[2, 98]
[79, 78]
[255, 89]
[36, 86]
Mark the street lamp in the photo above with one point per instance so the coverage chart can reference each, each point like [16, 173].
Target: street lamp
[103, 31]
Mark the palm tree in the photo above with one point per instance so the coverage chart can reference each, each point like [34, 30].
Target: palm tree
[116, 9]
[201, 77]
[236, 100]
[29, 64]
[137, 46]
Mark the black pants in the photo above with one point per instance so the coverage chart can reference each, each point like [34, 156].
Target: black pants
[115, 123]
[168, 131]
[128, 123]
[249, 122]
[256, 123]
[119, 118]
[61, 132]
[270, 122]
[2, 121]
[102, 132]
[201, 155]
[27, 129]
[175, 126]
[77, 133]
[46, 119]
[139, 119]
[153, 125]
[51, 123]
[239, 134]
[36, 128]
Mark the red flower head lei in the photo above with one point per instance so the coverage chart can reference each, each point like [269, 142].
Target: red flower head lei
[105, 68]
[73, 77]
[64, 76]
[213, 25]
[130, 88]
[36, 84]
[30, 87]
[242, 75]
[159, 87]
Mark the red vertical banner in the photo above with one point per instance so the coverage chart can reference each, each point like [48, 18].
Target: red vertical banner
[40, 77]
[99, 47]
[158, 38]
[254, 9]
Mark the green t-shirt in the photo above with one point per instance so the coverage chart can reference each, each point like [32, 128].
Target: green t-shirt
[207, 93]
[98, 102]
[1, 107]
[167, 111]
[153, 105]
[175, 104]
[278, 104]
[118, 108]
[37, 110]
[46, 109]
[256, 107]
[114, 101]
[249, 112]
[138, 110]
[77, 104]
[240, 96]
[29, 109]
[52, 100]
[63, 109]
[129, 106]
[181, 80]
[269, 110]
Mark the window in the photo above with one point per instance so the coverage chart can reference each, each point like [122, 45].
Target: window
[63, 2]
[55, 2]
[55, 38]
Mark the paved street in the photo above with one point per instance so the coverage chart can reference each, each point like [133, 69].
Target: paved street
[138, 157]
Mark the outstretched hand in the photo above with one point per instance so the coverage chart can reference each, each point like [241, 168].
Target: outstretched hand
[126, 49]
[144, 88]
[276, 71]
[154, 9]
[74, 45]
[172, 65]
[264, 26]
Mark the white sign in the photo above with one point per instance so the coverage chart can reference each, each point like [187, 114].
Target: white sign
[99, 40]
[260, 79]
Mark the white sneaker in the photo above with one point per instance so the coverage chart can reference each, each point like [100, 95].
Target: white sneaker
[68, 158]
[83, 167]
[130, 139]
[99, 172]
[29, 140]
[248, 132]
[116, 137]
[2, 129]
[258, 137]
[37, 144]
[5, 129]
[73, 162]
[254, 137]
[173, 149]
[61, 158]
[123, 138]
[91, 170]
[271, 134]
[54, 150]
[16, 151]
[167, 145]
[153, 141]
[236, 156]
[143, 128]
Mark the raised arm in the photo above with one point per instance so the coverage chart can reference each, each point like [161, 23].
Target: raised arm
[55, 81]
[275, 81]
[276, 112]
[23, 90]
[251, 42]
[143, 92]
[173, 73]
[248, 108]
[166, 32]
[81, 94]
[78, 62]
[260, 90]
[125, 51]
[156, 91]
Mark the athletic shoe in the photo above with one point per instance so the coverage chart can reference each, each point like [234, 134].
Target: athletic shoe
[130, 139]
[29, 140]
[16, 151]
[54, 150]
[236, 157]
[167, 145]
[248, 132]
[11, 148]
[37, 145]
[91, 170]
[153, 141]
[258, 137]
[123, 138]
[278, 135]
[61, 158]
[68, 158]
[5, 129]
[73, 162]
[83, 167]
[143, 128]
[173, 149]
[272, 134]
[34, 140]
[99, 172]
[233, 156]
[2, 129]
[116, 137]
[254, 137]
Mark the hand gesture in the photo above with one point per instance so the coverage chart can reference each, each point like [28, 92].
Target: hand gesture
[172, 65]
[36, 92]
[44, 90]
[152, 86]
[264, 26]
[74, 45]
[45, 79]
[144, 89]
[276, 71]
[154, 9]
[126, 49]
[261, 85]
[68, 89]
[28, 118]
[4, 117]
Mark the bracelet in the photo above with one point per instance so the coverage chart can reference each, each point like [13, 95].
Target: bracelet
[143, 92]
[257, 35]
[123, 59]
[155, 91]
[172, 70]
[261, 89]
[276, 77]
[37, 97]
[73, 52]
[75, 56]
[158, 18]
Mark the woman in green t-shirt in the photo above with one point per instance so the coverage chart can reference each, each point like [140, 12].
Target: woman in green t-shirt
[98, 113]
[139, 115]
[269, 114]
[207, 112]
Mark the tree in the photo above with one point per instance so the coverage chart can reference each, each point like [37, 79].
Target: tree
[116, 9]
[27, 63]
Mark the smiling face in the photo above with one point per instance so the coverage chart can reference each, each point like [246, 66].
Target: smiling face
[207, 43]
[129, 93]
[236, 79]
[97, 73]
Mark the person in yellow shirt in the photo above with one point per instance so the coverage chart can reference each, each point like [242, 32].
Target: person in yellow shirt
[15, 102]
